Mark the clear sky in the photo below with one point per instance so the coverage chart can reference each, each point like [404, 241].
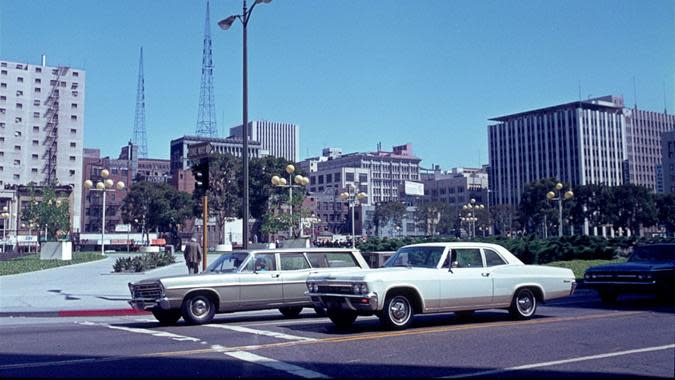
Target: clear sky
[350, 73]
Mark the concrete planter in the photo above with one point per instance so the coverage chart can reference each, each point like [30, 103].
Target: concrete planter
[56, 250]
[149, 249]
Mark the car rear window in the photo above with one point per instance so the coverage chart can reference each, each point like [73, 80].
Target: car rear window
[293, 261]
[331, 259]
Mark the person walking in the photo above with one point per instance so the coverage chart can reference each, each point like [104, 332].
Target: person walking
[193, 256]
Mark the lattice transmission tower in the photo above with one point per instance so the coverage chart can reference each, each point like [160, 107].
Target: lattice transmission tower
[140, 135]
[206, 118]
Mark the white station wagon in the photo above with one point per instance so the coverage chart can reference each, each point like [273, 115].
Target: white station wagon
[435, 278]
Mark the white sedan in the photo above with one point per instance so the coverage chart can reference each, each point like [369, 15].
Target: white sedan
[436, 278]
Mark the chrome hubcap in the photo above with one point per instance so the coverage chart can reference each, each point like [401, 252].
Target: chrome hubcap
[199, 307]
[525, 304]
[399, 310]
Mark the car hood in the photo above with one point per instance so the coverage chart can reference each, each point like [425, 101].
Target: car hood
[631, 267]
[186, 279]
[360, 275]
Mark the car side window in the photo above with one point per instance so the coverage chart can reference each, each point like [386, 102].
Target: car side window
[492, 258]
[468, 258]
[265, 262]
[331, 259]
[293, 261]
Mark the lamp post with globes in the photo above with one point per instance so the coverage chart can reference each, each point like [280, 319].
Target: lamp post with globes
[225, 24]
[300, 181]
[103, 186]
[557, 196]
[471, 217]
[352, 197]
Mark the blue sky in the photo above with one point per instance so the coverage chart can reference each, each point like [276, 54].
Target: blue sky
[350, 73]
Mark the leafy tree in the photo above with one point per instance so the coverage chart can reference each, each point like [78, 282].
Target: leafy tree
[428, 215]
[156, 206]
[386, 212]
[534, 208]
[51, 212]
[224, 193]
[505, 218]
[666, 211]
[261, 170]
[635, 207]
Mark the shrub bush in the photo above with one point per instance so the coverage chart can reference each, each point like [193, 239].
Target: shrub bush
[145, 262]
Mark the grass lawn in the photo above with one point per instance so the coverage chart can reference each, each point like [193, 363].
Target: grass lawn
[580, 266]
[32, 262]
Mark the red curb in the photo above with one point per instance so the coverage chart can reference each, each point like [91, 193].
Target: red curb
[100, 313]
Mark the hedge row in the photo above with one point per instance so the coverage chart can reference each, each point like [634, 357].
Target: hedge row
[533, 250]
[145, 262]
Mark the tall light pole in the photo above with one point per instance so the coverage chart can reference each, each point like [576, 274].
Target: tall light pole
[226, 24]
[557, 196]
[471, 217]
[352, 197]
[103, 186]
[5, 217]
[300, 181]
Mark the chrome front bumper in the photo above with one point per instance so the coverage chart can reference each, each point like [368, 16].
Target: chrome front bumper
[357, 302]
[146, 304]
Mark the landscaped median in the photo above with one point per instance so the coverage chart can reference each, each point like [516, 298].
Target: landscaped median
[580, 266]
[32, 262]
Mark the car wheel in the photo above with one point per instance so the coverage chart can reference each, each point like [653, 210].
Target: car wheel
[291, 311]
[341, 318]
[464, 314]
[397, 313]
[608, 297]
[320, 312]
[166, 317]
[198, 309]
[524, 304]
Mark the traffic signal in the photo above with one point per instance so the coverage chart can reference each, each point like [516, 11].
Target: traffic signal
[201, 173]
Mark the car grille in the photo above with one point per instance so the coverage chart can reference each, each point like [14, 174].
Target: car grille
[147, 291]
[337, 289]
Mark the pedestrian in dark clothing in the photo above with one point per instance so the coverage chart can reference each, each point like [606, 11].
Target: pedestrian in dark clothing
[193, 256]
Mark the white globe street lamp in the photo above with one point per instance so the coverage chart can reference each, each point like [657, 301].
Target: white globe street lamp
[103, 186]
[300, 181]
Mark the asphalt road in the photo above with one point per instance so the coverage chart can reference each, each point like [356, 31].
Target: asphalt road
[574, 337]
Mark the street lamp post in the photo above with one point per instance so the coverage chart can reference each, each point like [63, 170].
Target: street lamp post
[471, 217]
[5, 217]
[226, 24]
[557, 196]
[352, 197]
[103, 186]
[300, 181]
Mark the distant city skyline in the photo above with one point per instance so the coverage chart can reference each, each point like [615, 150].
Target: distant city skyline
[350, 75]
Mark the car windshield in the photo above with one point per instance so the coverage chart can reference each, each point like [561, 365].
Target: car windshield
[228, 262]
[425, 257]
[654, 253]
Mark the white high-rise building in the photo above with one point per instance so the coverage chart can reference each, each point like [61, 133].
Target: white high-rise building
[278, 139]
[42, 127]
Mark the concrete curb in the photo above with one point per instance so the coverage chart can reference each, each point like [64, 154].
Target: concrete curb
[73, 313]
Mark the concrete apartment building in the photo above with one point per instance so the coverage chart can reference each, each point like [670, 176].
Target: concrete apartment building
[457, 186]
[584, 142]
[278, 139]
[379, 174]
[668, 161]
[42, 127]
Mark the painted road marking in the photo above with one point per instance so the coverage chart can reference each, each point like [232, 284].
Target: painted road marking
[164, 334]
[261, 332]
[565, 361]
[275, 364]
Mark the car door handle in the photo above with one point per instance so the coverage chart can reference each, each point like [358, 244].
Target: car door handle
[275, 275]
[485, 274]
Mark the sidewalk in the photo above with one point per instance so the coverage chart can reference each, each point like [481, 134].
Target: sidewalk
[88, 289]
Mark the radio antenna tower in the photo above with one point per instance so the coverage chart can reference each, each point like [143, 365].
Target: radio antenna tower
[140, 137]
[206, 119]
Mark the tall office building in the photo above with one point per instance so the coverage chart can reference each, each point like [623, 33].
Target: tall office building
[668, 161]
[42, 127]
[585, 142]
[278, 139]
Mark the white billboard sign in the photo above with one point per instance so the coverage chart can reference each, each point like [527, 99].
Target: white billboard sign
[413, 188]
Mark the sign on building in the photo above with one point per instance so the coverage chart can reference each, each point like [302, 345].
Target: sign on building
[413, 188]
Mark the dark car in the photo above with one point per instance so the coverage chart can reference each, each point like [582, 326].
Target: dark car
[649, 269]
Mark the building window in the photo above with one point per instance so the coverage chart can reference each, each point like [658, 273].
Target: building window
[19, 93]
[18, 119]
[19, 79]
[72, 158]
[34, 170]
[38, 80]
[3, 98]
[3, 72]
[2, 125]
[36, 115]
[36, 102]
[73, 145]
[17, 147]
[71, 172]
[17, 133]
[19, 105]
[76, 74]
[36, 129]
[37, 90]
[17, 177]
[3, 111]
[35, 156]
[17, 162]
[73, 117]
[35, 143]
[73, 131]
[73, 106]
[73, 86]
[3, 85]
[74, 93]
[38, 69]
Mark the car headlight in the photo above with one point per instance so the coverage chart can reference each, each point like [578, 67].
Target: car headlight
[310, 286]
[359, 288]
[587, 275]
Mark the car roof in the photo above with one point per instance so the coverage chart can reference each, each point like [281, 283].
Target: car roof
[295, 250]
[456, 244]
